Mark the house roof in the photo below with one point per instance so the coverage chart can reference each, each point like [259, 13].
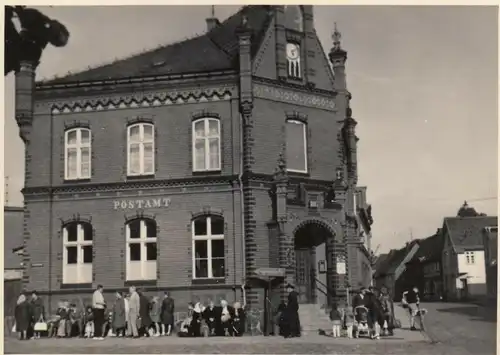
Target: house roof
[212, 51]
[429, 248]
[13, 236]
[394, 259]
[467, 232]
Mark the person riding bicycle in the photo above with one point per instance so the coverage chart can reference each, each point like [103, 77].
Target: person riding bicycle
[412, 300]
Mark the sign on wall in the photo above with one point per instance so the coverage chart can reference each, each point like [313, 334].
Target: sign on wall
[341, 267]
[141, 203]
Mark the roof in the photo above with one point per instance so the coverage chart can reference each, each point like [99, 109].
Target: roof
[394, 259]
[13, 236]
[467, 232]
[212, 51]
[429, 248]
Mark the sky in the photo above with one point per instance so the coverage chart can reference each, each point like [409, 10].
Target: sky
[424, 81]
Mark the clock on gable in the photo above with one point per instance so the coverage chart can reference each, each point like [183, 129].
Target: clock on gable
[293, 60]
[292, 51]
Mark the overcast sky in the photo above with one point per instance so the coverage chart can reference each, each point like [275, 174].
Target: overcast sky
[424, 85]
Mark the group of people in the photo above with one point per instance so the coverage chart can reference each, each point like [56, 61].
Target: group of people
[28, 312]
[380, 310]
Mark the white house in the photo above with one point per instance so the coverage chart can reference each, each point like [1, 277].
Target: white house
[464, 272]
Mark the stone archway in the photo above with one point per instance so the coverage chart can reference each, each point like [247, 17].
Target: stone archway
[313, 248]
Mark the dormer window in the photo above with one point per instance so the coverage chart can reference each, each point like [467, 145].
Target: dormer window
[293, 60]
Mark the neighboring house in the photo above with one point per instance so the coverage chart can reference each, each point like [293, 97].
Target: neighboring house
[424, 270]
[13, 241]
[490, 241]
[363, 249]
[463, 256]
[392, 268]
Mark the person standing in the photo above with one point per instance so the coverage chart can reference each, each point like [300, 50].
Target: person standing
[133, 312]
[387, 315]
[412, 299]
[119, 315]
[167, 314]
[336, 319]
[23, 316]
[154, 313]
[38, 310]
[292, 313]
[98, 306]
[144, 313]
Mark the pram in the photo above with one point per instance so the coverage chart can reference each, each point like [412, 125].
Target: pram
[361, 321]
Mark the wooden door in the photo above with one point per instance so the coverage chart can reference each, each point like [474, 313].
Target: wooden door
[304, 275]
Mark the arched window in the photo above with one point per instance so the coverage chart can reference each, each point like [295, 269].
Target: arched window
[77, 154]
[296, 146]
[206, 145]
[294, 20]
[140, 149]
[141, 249]
[77, 254]
[208, 247]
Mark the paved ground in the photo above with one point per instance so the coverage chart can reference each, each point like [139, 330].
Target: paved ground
[453, 329]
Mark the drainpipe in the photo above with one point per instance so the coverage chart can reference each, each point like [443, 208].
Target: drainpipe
[242, 206]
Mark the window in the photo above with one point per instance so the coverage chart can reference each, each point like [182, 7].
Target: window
[77, 253]
[293, 60]
[206, 145]
[469, 255]
[77, 154]
[296, 146]
[141, 149]
[208, 247]
[293, 18]
[141, 249]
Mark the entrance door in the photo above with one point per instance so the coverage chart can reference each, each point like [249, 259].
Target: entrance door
[304, 275]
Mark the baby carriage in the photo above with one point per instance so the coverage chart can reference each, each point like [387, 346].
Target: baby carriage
[361, 321]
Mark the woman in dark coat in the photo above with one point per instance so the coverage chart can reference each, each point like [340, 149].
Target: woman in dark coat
[118, 322]
[23, 316]
[38, 311]
[167, 314]
[144, 313]
[210, 316]
[292, 320]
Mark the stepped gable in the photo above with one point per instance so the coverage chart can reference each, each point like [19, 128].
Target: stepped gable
[212, 51]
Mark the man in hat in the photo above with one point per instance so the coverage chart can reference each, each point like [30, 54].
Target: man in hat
[292, 320]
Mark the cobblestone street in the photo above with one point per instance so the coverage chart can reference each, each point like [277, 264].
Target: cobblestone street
[453, 329]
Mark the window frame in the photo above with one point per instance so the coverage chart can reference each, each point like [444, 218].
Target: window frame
[306, 158]
[79, 146]
[80, 266]
[141, 144]
[206, 139]
[143, 240]
[208, 237]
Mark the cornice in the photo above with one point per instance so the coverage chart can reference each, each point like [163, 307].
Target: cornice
[143, 99]
[131, 185]
[298, 87]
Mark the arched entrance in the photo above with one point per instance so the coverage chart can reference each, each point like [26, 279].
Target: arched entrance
[310, 244]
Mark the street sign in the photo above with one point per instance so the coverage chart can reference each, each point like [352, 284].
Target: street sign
[270, 272]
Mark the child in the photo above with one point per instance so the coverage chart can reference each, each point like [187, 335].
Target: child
[336, 318]
[89, 323]
[348, 320]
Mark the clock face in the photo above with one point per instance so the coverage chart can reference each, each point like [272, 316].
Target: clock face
[292, 51]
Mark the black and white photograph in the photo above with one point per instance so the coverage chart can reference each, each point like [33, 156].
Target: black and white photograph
[256, 179]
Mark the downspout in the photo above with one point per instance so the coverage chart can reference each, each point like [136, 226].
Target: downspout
[242, 206]
[51, 206]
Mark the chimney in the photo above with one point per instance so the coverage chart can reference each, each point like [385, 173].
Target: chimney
[212, 21]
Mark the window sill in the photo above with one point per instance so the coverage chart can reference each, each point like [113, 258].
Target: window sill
[70, 181]
[206, 172]
[211, 281]
[298, 173]
[140, 283]
[76, 286]
[140, 177]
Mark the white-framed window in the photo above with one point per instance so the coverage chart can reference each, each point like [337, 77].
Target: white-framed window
[208, 247]
[296, 146]
[206, 145]
[77, 154]
[141, 259]
[140, 149]
[293, 60]
[77, 252]
[469, 256]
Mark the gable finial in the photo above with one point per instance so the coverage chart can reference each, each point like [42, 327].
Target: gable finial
[213, 11]
[336, 36]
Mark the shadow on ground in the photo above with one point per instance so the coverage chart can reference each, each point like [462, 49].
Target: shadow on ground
[474, 312]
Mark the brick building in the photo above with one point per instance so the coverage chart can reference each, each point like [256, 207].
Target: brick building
[190, 166]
